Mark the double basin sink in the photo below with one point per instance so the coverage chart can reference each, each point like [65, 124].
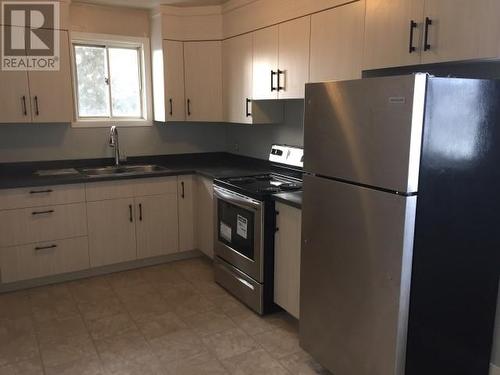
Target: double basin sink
[118, 170]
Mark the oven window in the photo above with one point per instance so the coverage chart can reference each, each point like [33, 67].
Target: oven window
[236, 228]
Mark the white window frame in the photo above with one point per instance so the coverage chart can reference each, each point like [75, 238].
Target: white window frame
[107, 40]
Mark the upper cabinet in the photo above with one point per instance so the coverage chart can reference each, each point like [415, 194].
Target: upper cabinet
[203, 80]
[460, 30]
[337, 43]
[237, 58]
[173, 54]
[281, 60]
[38, 96]
[293, 58]
[411, 32]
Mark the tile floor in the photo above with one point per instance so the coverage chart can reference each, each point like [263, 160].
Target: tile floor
[167, 319]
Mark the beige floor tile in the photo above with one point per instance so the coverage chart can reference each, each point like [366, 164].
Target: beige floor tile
[178, 346]
[210, 322]
[146, 365]
[302, 363]
[58, 327]
[279, 342]
[137, 291]
[230, 343]
[200, 365]
[31, 367]
[13, 328]
[52, 303]
[162, 275]
[160, 325]
[251, 323]
[128, 347]
[176, 293]
[125, 279]
[192, 305]
[19, 349]
[100, 309]
[256, 362]
[91, 290]
[146, 306]
[62, 350]
[49, 293]
[195, 269]
[208, 288]
[229, 305]
[14, 305]
[84, 366]
[284, 321]
[114, 325]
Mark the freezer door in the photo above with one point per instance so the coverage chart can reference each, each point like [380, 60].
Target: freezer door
[355, 277]
[367, 131]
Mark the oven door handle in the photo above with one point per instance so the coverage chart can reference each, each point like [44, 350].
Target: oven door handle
[237, 198]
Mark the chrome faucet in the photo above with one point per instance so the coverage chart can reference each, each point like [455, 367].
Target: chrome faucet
[113, 142]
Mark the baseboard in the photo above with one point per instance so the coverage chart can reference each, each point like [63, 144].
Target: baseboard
[26, 284]
[494, 370]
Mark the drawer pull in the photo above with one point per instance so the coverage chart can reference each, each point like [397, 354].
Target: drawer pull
[38, 248]
[42, 212]
[41, 191]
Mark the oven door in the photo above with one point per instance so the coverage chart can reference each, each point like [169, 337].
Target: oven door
[239, 232]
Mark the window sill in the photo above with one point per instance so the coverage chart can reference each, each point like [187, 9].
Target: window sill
[108, 123]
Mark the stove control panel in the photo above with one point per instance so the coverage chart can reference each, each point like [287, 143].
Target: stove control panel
[288, 155]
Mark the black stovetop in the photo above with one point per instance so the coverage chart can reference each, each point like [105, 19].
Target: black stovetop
[262, 185]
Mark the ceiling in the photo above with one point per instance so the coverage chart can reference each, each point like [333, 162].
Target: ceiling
[147, 4]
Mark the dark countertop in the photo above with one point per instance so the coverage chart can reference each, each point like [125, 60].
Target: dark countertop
[293, 198]
[210, 165]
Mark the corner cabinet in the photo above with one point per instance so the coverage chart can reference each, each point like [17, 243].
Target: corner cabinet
[411, 32]
[38, 96]
[203, 81]
[287, 258]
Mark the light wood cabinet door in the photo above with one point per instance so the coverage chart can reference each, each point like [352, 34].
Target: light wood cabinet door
[337, 43]
[294, 57]
[14, 94]
[51, 93]
[387, 33]
[187, 215]
[237, 78]
[205, 216]
[173, 54]
[287, 258]
[265, 63]
[111, 231]
[461, 30]
[203, 77]
[156, 225]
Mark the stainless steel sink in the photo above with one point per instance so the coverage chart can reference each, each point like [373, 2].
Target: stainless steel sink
[122, 170]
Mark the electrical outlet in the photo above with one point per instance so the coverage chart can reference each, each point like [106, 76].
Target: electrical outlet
[236, 147]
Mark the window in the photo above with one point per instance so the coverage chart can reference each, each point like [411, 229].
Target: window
[109, 81]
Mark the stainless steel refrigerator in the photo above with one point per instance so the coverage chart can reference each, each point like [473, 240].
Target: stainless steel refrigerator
[401, 225]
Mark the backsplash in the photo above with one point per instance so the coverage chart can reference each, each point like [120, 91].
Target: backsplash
[57, 142]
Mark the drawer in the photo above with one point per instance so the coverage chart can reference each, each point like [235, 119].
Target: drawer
[43, 259]
[30, 225]
[100, 191]
[41, 196]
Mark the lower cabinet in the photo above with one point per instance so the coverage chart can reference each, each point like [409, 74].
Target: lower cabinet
[205, 216]
[287, 258]
[186, 191]
[44, 259]
[111, 227]
[156, 225]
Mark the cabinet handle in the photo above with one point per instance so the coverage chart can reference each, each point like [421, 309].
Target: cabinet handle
[428, 22]
[140, 211]
[273, 73]
[42, 212]
[38, 248]
[413, 26]
[189, 107]
[37, 112]
[171, 107]
[182, 190]
[41, 191]
[25, 108]
[248, 113]
[131, 218]
[280, 72]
